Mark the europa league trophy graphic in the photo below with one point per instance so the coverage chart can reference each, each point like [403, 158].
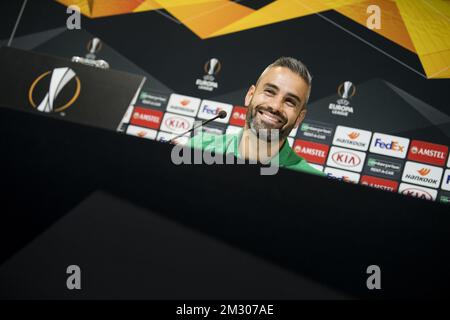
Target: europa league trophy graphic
[347, 86]
[59, 79]
[94, 47]
[212, 68]
[342, 107]
[346, 91]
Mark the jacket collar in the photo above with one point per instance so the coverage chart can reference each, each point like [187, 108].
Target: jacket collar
[287, 156]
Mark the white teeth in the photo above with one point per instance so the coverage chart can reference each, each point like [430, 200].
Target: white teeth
[270, 117]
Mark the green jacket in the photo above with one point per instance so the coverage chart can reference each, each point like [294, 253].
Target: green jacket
[229, 143]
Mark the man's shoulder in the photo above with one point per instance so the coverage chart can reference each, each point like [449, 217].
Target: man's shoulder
[298, 163]
[220, 143]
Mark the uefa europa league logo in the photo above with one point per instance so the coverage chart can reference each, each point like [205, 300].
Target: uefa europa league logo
[347, 90]
[347, 86]
[212, 68]
[342, 107]
[60, 77]
[94, 46]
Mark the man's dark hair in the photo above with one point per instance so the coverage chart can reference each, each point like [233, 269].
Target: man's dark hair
[297, 67]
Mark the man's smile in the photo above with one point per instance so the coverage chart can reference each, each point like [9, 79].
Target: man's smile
[270, 118]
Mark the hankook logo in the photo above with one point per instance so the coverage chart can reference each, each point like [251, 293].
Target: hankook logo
[424, 171]
[60, 78]
[185, 102]
[353, 135]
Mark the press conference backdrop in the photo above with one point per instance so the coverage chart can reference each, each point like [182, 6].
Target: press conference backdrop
[378, 114]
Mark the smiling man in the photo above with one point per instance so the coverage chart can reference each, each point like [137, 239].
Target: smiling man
[276, 105]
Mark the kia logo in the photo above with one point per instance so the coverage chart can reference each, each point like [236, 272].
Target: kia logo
[417, 193]
[347, 159]
[177, 123]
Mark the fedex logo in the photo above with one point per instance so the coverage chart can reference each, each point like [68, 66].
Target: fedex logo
[389, 145]
[446, 181]
[393, 145]
[212, 111]
[342, 175]
[209, 109]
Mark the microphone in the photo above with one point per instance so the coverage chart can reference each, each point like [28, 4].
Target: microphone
[221, 115]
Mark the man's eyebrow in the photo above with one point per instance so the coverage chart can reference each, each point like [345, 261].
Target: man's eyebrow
[271, 85]
[295, 97]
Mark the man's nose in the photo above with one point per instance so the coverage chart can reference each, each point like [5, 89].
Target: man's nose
[276, 104]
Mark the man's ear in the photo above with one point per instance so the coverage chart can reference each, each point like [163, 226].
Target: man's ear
[300, 118]
[249, 95]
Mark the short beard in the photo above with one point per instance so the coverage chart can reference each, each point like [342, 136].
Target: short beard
[259, 130]
[267, 135]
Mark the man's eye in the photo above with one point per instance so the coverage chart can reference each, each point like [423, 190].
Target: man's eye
[268, 91]
[291, 103]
